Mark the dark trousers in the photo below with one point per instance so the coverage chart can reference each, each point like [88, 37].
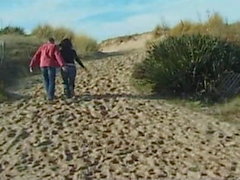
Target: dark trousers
[49, 76]
[69, 77]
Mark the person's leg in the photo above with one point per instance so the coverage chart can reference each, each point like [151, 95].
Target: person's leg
[65, 79]
[45, 78]
[72, 77]
[52, 77]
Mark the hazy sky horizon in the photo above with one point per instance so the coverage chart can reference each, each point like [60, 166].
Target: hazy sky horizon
[103, 19]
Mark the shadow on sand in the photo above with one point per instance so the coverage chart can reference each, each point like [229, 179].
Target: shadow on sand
[101, 55]
[89, 97]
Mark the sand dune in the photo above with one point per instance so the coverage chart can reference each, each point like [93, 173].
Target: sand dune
[126, 43]
[109, 131]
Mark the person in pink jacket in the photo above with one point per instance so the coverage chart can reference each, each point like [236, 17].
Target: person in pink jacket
[48, 58]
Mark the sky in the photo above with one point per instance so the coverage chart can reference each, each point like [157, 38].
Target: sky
[103, 19]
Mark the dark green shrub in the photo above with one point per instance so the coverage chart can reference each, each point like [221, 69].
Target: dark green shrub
[192, 64]
[2, 92]
[12, 30]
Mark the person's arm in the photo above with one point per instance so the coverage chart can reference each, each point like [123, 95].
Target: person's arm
[58, 57]
[78, 60]
[35, 61]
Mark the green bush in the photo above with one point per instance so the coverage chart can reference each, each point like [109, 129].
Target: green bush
[192, 64]
[12, 30]
[2, 92]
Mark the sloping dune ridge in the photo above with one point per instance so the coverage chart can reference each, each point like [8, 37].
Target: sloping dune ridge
[109, 131]
[126, 43]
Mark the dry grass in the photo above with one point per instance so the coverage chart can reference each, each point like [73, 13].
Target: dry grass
[83, 43]
[215, 25]
[228, 111]
[18, 52]
[20, 48]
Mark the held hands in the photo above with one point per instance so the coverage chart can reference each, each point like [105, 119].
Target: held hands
[64, 68]
[87, 71]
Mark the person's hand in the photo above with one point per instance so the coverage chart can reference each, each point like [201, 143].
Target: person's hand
[86, 70]
[31, 69]
[64, 68]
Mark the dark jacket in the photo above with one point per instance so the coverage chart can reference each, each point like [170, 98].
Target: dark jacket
[70, 56]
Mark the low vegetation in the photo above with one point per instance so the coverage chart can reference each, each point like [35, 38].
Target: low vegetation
[12, 30]
[188, 60]
[46, 31]
[85, 45]
[17, 54]
[2, 92]
[215, 26]
[189, 64]
[82, 43]
[190, 57]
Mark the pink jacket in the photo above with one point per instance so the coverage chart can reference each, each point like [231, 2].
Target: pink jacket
[47, 55]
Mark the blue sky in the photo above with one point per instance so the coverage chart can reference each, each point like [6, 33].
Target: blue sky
[102, 19]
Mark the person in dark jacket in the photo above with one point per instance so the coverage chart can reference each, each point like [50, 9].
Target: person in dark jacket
[70, 56]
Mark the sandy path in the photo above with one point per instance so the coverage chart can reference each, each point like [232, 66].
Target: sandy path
[111, 132]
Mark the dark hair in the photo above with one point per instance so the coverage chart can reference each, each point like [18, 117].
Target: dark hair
[66, 43]
[51, 39]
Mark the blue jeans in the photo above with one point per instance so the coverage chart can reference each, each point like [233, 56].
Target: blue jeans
[49, 76]
[69, 77]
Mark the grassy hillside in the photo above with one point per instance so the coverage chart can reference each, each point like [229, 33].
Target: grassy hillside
[126, 43]
[18, 51]
[17, 54]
